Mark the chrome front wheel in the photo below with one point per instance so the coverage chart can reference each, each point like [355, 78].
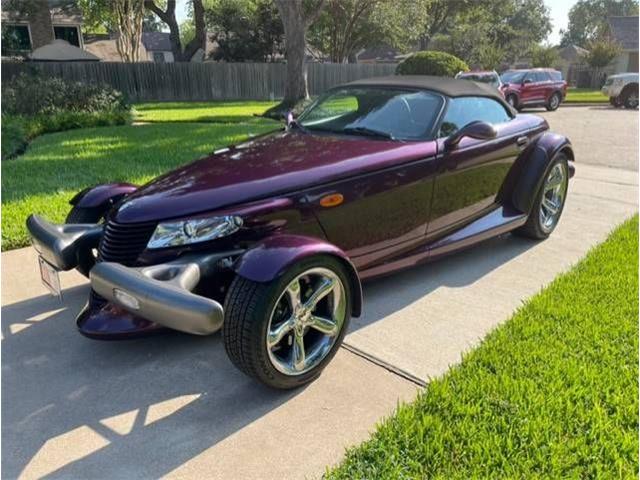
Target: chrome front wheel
[285, 332]
[306, 321]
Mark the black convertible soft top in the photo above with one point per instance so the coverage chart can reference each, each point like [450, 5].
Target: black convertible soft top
[449, 87]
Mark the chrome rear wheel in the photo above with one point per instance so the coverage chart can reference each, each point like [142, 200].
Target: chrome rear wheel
[554, 192]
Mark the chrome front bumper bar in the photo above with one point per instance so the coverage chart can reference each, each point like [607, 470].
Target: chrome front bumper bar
[60, 244]
[163, 293]
[159, 293]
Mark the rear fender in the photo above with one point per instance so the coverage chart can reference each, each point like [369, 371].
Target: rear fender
[270, 258]
[535, 167]
[102, 196]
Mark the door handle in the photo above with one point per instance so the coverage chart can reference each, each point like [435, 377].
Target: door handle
[522, 141]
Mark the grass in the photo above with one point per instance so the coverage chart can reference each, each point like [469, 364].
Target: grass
[57, 166]
[553, 393]
[217, 112]
[585, 95]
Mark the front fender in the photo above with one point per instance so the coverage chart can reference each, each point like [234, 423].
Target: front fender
[102, 195]
[270, 258]
[532, 175]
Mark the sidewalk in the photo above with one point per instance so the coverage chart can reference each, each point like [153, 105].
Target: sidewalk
[175, 406]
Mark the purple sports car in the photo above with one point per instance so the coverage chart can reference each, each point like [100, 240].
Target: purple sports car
[269, 240]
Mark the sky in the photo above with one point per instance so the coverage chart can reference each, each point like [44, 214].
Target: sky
[559, 10]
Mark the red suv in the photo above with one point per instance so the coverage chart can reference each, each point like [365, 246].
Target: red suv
[535, 87]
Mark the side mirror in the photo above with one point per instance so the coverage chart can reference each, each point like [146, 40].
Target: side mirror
[527, 80]
[479, 130]
[289, 118]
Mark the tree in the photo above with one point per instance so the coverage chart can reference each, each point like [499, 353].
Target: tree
[297, 16]
[245, 30]
[168, 16]
[128, 18]
[348, 26]
[589, 19]
[440, 14]
[601, 53]
[151, 23]
[544, 56]
[486, 29]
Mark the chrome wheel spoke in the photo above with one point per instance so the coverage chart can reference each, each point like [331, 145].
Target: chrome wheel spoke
[554, 182]
[324, 289]
[324, 325]
[550, 206]
[298, 355]
[293, 293]
[276, 335]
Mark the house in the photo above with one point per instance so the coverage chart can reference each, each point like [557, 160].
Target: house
[158, 47]
[624, 30]
[572, 64]
[23, 32]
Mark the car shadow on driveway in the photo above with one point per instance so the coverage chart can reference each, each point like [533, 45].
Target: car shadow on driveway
[144, 406]
[150, 405]
[384, 296]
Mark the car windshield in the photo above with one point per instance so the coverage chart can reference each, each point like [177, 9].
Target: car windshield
[482, 77]
[385, 113]
[513, 77]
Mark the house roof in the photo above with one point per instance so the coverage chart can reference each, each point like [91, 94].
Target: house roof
[572, 53]
[61, 51]
[384, 53]
[625, 31]
[156, 41]
[444, 85]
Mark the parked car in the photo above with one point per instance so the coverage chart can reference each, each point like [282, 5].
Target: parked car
[622, 90]
[490, 77]
[269, 240]
[536, 87]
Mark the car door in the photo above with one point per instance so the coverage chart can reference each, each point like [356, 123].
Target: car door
[471, 174]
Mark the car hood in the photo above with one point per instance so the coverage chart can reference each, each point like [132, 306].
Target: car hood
[272, 164]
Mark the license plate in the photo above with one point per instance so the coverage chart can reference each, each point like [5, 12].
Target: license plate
[50, 277]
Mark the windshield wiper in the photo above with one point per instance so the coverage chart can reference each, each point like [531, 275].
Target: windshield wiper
[370, 132]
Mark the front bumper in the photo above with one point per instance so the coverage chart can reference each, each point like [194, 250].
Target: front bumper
[60, 245]
[162, 293]
[133, 299]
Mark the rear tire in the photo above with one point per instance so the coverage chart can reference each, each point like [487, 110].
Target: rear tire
[254, 311]
[630, 97]
[512, 100]
[87, 259]
[535, 227]
[554, 102]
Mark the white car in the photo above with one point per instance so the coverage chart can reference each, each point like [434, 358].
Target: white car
[622, 90]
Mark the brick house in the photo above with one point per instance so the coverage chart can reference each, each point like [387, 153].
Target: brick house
[23, 32]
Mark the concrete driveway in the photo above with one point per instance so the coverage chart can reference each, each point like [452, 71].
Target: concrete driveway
[175, 406]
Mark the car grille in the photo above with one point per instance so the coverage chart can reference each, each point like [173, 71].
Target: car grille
[123, 243]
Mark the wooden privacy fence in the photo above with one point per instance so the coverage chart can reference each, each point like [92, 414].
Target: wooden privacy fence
[198, 81]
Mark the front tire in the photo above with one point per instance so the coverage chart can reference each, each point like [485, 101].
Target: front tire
[87, 259]
[549, 204]
[283, 333]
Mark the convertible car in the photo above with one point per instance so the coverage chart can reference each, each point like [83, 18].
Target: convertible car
[270, 240]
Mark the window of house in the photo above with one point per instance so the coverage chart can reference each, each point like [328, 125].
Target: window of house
[158, 57]
[15, 39]
[70, 34]
[464, 110]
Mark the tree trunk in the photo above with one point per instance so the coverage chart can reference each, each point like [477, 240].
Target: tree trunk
[295, 27]
[168, 16]
[129, 16]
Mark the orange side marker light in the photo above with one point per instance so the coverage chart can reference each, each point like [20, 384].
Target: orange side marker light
[332, 200]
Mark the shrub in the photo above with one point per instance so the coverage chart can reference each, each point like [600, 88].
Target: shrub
[17, 131]
[34, 94]
[440, 64]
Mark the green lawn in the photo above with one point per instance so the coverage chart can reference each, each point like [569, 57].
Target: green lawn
[553, 393]
[586, 95]
[58, 165]
[219, 112]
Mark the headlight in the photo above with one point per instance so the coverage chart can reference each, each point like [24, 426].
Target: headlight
[172, 234]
